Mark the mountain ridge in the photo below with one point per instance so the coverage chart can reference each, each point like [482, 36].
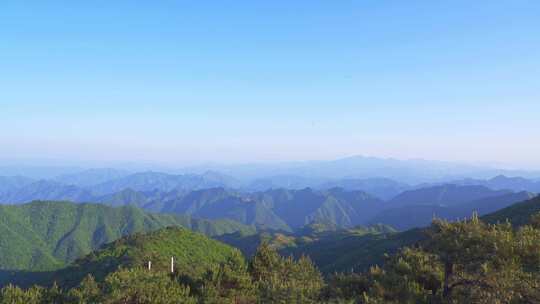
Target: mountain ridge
[60, 232]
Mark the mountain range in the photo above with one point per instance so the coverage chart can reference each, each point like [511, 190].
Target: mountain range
[148, 181]
[345, 203]
[410, 216]
[290, 210]
[299, 174]
[46, 235]
[91, 177]
[503, 182]
[92, 184]
[278, 209]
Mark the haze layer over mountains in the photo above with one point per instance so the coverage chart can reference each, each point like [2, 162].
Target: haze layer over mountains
[286, 197]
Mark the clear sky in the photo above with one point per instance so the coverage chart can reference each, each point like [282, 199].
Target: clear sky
[234, 81]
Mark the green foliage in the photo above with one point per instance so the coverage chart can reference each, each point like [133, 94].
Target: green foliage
[48, 235]
[34, 295]
[284, 280]
[408, 277]
[487, 263]
[343, 287]
[15, 295]
[229, 282]
[209, 272]
[462, 262]
[518, 214]
[535, 221]
[194, 254]
[143, 286]
[86, 293]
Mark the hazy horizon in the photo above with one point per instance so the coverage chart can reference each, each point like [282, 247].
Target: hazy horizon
[184, 83]
[157, 165]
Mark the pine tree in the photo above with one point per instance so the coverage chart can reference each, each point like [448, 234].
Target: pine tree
[284, 280]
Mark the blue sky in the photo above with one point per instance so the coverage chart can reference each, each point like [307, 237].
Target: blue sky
[238, 81]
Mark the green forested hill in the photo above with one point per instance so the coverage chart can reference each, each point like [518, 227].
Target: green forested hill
[47, 235]
[193, 253]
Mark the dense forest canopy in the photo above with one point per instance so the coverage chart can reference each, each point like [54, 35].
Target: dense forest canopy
[463, 262]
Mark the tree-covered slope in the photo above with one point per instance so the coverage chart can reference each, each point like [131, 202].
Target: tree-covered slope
[298, 208]
[193, 254]
[218, 203]
[518, 214]
[47, 235]
[277, 209]
[363, 206]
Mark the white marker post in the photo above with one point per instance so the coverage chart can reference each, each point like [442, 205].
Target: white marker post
[149, 265]
[172, 264]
